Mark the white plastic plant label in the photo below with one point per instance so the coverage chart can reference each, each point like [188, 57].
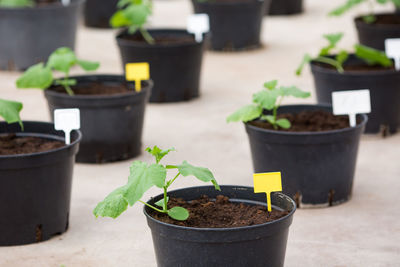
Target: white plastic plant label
[66, 2]
[67, 120]
[351, 103]
[392, 47]
[198, 24]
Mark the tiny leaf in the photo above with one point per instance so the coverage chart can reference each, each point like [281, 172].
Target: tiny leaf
[283, 123]
[158, 153]
[88, 65]
[271, 84]
[178, 213]
[160, 203]
[245, 114]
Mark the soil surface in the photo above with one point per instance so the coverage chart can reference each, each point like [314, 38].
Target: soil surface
[387, 19]
[13, 145]
[308, 121]
[162, 39]
[96, 88]
[357, 67]
[220, 213]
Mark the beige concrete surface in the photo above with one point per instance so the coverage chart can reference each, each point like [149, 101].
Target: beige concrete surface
[363, 232]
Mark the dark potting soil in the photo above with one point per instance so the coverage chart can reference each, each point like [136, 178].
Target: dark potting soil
[220, 213]
[308, 121]
[162, 39]
[358, 67]
[96, 88]
[47, 2]
[11, 144]
[387, 19]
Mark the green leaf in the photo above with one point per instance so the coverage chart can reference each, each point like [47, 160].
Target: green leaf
[396, 3]
[65, 82]
[123, 3]
[346, 7]
[178, 213]
[9, 111]
[119, 20]
[16, 3]
[294, 91]
[62, 59]
[306, 60]
[203, 174]
[37, 76]
[160, 203]
[266, 98]
[245, 114]
[271, 84]
[270, 119]
[369, 19]
[333, 38]
[372, 56]
[136, 14]
[342, 57]
[88, 65]
[113, 205]
[283, 123]
[158, 153]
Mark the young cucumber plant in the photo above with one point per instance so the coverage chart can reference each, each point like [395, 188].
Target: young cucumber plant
[144, 176]
[350, 4]
[9, 111]
[41, 75]
[16, 3]
[133, 14]
[368, 55]
[269, 99]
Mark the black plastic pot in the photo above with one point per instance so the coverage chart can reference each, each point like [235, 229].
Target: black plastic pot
[285, 7]
[99, 12]
[175, 68]
[317, 167]
[35, 189]
[111, 125]
[30, 35]
[384, 87]
[257, 245]
[374, 35]
[233, 25]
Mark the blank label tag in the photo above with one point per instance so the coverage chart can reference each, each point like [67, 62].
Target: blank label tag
[67, 120]
[392, 47]
[351, 103]
[198, 24]
[137, 72]
[267, 183]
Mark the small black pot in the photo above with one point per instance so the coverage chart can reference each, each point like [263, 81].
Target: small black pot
[35, 189]
[174, 68]
[384, 87]
[374, 35]
[30, 35]
[317, 167]
[111, 125]
[257, 245]
[99, 12]
[285, 7]
[233, 25]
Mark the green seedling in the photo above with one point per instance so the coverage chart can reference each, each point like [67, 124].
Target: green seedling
[133, 14]
[270, 98]
[368, 55]
[350, 4]
[16, 3]
[144, 176]
[40, 76]
[9, 111]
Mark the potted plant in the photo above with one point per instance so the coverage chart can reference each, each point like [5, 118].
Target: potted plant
[315, 150]
[98, 12]
[35, 178]
[366, 68]
[234, 25]
[207, 224]
[33, 29]
[112, 112]
[373, 29]
[174, 56]
[285, 7]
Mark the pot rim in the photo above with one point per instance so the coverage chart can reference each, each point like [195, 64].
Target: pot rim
[361, 24]
[124, 31]
[338, 131]
[53, 6]
[65, 147]
[196, 229]
[149, 84]
[228, 3]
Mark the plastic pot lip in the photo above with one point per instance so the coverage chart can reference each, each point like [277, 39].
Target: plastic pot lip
[319, 69]
[237, 3]
[54, 6]
[338, 131]
[196, 229]
[361, 24]
[37, 154]
[129, 43]
[116, 78]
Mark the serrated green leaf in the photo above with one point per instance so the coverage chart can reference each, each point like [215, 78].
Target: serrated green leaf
[271, 84]
[88, 65]
[158, 153]
[37, 76]
[113, 205]
[201, 173]
[266, 98]
[306, 59]
[333, 38]
[245, 114]
[178, 213]
[372, 56]
[161, 203]
[293, 91]
[62, 59]
[136, 14]
[283, 123]
[9, 111]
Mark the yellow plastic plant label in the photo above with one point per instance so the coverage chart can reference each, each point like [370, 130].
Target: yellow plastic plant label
[267, 183]
[137, 72]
